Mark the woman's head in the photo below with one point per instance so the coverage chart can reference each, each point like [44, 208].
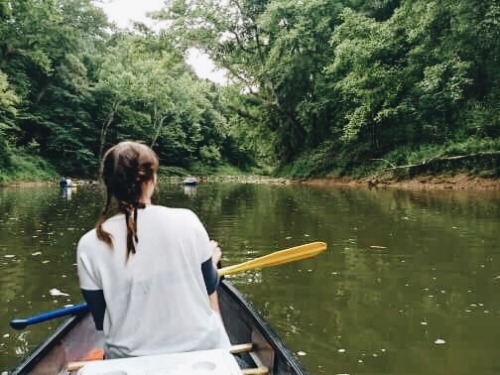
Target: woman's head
[129, 173]
[126, 168]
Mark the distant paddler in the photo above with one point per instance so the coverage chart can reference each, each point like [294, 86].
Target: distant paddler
[65, 182]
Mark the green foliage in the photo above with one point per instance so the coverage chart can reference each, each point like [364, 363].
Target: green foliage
[25, 167]
[317, 87]
[166, 170]
[72, 89]
[8, 111]
[318, 162]
[210, 155]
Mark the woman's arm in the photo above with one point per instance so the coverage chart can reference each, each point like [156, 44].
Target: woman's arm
[97, 305]
[214, 302]
[211, 277]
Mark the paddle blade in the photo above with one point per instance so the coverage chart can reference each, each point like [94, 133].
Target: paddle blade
[279, 257]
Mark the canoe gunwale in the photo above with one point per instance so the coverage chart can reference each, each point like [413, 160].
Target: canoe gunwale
[33, 358]
[265, 329]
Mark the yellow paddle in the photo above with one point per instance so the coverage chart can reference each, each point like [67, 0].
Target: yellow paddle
[278, 257]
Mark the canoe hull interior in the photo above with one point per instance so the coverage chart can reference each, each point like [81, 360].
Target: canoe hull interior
[74, 339]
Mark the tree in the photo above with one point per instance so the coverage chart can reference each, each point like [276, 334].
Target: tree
[8, 110]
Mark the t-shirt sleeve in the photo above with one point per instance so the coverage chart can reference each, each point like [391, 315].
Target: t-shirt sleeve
[203, 244]
[210, 276]
[204, 249]
[86, 273]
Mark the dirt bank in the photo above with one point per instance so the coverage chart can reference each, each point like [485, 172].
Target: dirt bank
[456, 182]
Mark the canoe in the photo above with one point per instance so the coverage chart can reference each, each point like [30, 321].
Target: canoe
[76, 338]
[190, 181]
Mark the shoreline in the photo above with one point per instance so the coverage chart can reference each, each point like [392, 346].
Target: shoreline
[458, 182]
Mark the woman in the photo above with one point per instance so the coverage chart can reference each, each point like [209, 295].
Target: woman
[147, 273]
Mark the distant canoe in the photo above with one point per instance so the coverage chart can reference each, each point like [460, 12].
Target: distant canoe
[190, 181]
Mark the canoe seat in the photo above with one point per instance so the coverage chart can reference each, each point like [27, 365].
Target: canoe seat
[241, 348]
[261, 370]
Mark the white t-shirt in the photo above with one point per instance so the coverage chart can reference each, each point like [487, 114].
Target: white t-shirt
[156, 302]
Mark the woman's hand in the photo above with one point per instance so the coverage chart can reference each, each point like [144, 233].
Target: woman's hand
[217, 252]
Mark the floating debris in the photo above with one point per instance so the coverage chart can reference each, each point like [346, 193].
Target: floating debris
[424, 323]
[341, 350]
[9, 256]
[377, 247]
[439, 342]
[56, 293]
[36, 253]
[301, 353]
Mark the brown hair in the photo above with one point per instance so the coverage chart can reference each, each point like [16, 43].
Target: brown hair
[125, 168]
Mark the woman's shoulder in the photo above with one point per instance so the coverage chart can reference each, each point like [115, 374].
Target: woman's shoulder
[89, 235]
[177, 217]
[176, 212]
[88, 240]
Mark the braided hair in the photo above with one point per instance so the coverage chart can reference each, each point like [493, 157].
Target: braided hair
[126, 167]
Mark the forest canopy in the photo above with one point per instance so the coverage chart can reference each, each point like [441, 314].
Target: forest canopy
[316, 87]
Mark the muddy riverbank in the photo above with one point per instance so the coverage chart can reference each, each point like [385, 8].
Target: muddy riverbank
[455, 182]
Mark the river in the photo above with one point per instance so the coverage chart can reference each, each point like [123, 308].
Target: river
[410, 282]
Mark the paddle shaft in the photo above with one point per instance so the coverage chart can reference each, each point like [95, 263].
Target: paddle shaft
[71, 310]
[279, 257]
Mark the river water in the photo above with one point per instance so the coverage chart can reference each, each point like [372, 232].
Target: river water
[410, 282]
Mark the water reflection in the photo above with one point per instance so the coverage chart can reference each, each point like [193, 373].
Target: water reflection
[66, 192]
[189, 190]
[408, 284]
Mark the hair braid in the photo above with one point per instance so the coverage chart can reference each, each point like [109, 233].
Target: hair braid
[101, 233]
[126, 168]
